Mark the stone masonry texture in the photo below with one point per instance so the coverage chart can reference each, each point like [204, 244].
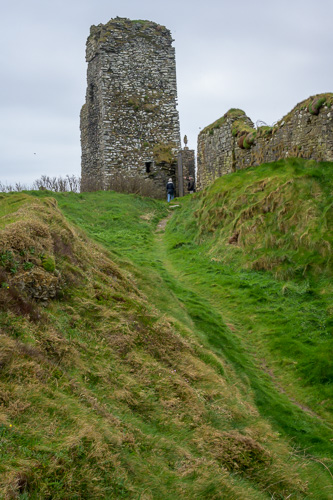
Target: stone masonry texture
[306, 132]
[129, 122]
[186, 168]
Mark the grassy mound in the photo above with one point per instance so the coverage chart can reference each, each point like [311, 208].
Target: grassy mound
[118, 380]
[101, 397]
[277, 217]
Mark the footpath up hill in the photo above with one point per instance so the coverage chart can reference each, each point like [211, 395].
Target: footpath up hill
[137, 363]
[258, 245]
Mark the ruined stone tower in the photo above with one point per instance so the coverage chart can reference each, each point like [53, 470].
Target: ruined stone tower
[129, 123]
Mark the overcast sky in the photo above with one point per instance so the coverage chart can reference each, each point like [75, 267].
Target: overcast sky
[263, 57]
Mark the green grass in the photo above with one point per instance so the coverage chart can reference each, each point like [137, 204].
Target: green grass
[291, 317]
[122, 223]
[101, 396]
[280, 214]
[170, 366]
[284, 327]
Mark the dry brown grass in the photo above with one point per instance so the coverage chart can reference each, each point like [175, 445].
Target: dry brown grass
[104, 387]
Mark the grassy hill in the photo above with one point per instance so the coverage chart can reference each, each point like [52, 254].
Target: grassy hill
[187, 363]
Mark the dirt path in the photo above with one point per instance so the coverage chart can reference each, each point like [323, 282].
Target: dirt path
[163, 222]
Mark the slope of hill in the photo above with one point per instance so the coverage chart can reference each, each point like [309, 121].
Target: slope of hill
[276, 217]
[129, 368]
[268, 231]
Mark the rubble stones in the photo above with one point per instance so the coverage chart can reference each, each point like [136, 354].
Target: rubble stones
[37, 284]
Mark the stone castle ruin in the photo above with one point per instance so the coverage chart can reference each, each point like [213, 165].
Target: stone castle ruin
[129, 122]
[232, 142]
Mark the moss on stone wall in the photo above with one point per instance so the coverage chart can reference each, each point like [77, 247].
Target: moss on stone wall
[316, 104]
[232, 113]
[249, 139]
[264, 131]
[304, 106]
[306, 131]
[100, 34]
[240, 127]
[164, 153]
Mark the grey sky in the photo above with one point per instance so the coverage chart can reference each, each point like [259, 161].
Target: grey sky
[263, 57]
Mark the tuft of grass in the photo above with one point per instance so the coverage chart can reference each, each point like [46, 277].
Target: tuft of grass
[232, 113]
[316, 104]
[326, 97]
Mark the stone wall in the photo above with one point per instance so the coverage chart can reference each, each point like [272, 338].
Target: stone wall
[130, 123]
[186, 168]
[233, 143]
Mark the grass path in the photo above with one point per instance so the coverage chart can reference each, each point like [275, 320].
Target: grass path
[229, 312]
[225, 332]
[179, 276]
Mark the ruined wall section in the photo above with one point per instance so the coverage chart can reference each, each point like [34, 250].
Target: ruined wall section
[186, 168]
[130, 124]
[216, 148]
[91, 129]
[232, 142]
[188, 162]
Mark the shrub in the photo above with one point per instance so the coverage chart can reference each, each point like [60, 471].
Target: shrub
[316, 104]
[249, 140]
[132, 185]
[240, 141]
[48, 263]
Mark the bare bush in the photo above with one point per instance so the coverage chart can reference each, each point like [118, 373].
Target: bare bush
[8, 188]
[58, 184]
[74, 183]
[20, 187]
[3, 188]
[120, 183]
[134, 184]
[92, 185]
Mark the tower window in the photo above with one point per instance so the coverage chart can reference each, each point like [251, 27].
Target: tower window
[91, 91]
[149, 165]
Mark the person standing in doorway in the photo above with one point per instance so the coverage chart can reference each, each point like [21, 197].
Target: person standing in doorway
[190, 185]
[170, 188]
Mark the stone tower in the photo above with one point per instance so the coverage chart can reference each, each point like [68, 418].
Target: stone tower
[130, 123]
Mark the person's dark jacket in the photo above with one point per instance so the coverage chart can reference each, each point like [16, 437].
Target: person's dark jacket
[190, 185]
[170, 188]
